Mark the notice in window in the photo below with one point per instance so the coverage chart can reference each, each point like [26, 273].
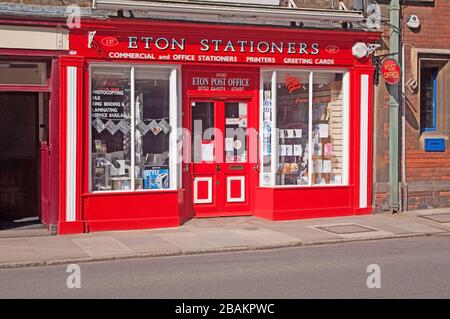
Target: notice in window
[207, 152]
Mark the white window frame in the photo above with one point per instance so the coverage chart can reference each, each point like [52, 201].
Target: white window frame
[274, 138]
[174, 121]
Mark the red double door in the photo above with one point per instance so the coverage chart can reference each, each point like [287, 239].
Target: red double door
[223, 157]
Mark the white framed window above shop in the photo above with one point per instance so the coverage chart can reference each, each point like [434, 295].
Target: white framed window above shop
[133, 129]
[304, 128]
[433, 93]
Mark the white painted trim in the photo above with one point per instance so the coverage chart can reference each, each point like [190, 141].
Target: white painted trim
[133, 127]
[310, 130]
[173, 122]
[180, 131]
[71, 143]
[363, 145]
[207, 200]
[346, 114]
[90, 129]
[236, 199]
[261, 129]
[274, 131]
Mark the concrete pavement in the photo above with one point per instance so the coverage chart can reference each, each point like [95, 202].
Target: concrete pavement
[218, 235]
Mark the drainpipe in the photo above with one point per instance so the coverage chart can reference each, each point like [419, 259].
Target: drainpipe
[394, 12]
[403, 164]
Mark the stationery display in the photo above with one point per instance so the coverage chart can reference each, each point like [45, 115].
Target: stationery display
[111, 137]
[297, 150]
[317, 166]
[328, 149]
[317, 149]
[323, 130]
[326, 166]
[327, 137]
[155, 177]
[293, 167]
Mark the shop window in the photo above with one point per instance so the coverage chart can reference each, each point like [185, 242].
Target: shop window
[130, 120]
[428, 98]
[309, 111]
[327, 129]
[292, 124]
[266, 130]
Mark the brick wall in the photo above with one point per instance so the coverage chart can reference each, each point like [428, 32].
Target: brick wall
[427, 174]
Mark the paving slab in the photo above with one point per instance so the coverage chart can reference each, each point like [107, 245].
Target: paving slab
[225, 237]
[187, 241]
[55, 248]
[265, 236]
[102, 246]
[440, 218]
[16, 250]
[20, 233]
[420, 212]
[302, 233]
[144, 242]
[418, 228]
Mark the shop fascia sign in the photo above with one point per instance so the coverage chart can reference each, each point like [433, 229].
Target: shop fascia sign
[202, 49]
[218, 45]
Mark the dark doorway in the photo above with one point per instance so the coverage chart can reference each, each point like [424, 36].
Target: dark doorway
[20, 115]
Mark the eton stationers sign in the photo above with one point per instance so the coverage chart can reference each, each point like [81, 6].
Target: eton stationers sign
[216, 45]
[196, 48]
[218, 50]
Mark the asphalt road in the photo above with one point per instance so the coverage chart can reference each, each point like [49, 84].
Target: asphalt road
[410, 268]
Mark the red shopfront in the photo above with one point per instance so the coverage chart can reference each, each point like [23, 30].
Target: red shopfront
[167, 121]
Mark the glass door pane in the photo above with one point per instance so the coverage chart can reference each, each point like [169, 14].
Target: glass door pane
[235, 132]
[202, 131]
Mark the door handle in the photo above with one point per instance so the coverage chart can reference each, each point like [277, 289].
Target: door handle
[217, 167]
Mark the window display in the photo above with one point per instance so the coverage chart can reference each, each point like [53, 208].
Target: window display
[292, 125]
[310, 128]
[266, 130]
[115, 136]
[328, 121]
[152, 129]
[111, 138]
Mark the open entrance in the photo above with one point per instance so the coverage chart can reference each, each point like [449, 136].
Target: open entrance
[24, 122]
